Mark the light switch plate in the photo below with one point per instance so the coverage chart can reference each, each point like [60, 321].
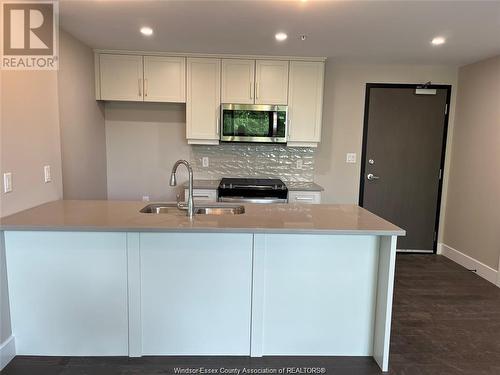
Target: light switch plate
[47, 174]
[7, 182]
[350, 157]
[205, 161]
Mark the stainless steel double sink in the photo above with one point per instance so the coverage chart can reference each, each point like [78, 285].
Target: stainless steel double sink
[206, 209]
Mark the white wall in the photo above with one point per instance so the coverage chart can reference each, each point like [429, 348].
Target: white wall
[83, 139]
[5, 326]
[472, 212]
[143, 141]
[29, 139]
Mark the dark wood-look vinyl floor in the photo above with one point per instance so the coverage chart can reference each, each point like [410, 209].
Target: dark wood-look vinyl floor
[446, 321]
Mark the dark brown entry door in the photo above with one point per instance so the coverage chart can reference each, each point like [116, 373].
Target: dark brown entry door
[402, 159]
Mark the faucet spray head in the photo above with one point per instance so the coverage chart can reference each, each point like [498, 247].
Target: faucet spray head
[173, 180]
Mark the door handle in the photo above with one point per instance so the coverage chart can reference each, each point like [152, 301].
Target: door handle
[371, 176]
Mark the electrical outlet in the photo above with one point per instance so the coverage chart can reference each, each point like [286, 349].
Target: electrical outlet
[205, 161]
[299, 164]
[47, 174]
[350, 157]
[145, 198]
[7, 182]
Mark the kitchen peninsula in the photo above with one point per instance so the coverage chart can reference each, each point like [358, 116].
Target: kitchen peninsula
[100, 278]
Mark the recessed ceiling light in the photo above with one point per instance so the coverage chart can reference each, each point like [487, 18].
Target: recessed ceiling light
[437, 41]
[281, 37]
[146, 30]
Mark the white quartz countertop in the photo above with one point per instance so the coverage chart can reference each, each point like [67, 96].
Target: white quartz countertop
[292, 186]
[80, 215]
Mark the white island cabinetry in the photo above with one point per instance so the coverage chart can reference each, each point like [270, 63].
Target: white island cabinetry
[278, 280]
[195, 300]
[68, 292]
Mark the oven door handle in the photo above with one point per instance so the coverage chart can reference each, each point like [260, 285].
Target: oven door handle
[252, 200]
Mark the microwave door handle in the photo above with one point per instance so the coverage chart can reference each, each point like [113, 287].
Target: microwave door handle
[275, 123]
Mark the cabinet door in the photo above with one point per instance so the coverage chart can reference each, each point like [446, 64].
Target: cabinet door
[271, 85]
[164, 79]
[121, 77]
[313, 197]
[203, 100]
[238, 81]
[305, 103]
[196, 293]
[202, 195]
[68, 292]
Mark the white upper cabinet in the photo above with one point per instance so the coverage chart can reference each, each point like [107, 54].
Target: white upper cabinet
[120, 77]
[271, 82]
[305, 103]
[141, 78]
[203, 100]
[238, 79]
[164, 79]
[203, 83]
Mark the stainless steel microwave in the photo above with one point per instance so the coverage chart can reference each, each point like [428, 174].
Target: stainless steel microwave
[253, 123]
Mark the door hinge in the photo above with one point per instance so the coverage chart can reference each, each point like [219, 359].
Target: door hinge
[440, 174]
[446, 109]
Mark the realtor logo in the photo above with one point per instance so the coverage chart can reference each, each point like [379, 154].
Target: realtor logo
[30, 35]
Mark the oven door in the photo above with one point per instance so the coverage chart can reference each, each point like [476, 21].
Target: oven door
[253, 123]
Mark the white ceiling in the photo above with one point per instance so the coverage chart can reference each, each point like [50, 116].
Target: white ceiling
[359, 31]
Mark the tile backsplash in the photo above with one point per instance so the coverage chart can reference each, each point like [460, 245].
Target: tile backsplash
[254, 160]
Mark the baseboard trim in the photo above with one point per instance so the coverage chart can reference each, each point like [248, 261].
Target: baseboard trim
[486, 272]
[7, 351]
[439, 250]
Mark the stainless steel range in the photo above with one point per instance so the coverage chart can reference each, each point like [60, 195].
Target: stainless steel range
[253, 190]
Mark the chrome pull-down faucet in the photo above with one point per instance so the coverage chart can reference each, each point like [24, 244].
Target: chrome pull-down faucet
[173, 182]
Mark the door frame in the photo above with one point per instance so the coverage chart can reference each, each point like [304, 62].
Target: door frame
[370, 86]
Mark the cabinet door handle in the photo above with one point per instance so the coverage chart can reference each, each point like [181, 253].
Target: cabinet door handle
[218, 124]
[304, 198]
[139, 84]
[201, 196]
[258, 91]
[251, 96]
[146, 87]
